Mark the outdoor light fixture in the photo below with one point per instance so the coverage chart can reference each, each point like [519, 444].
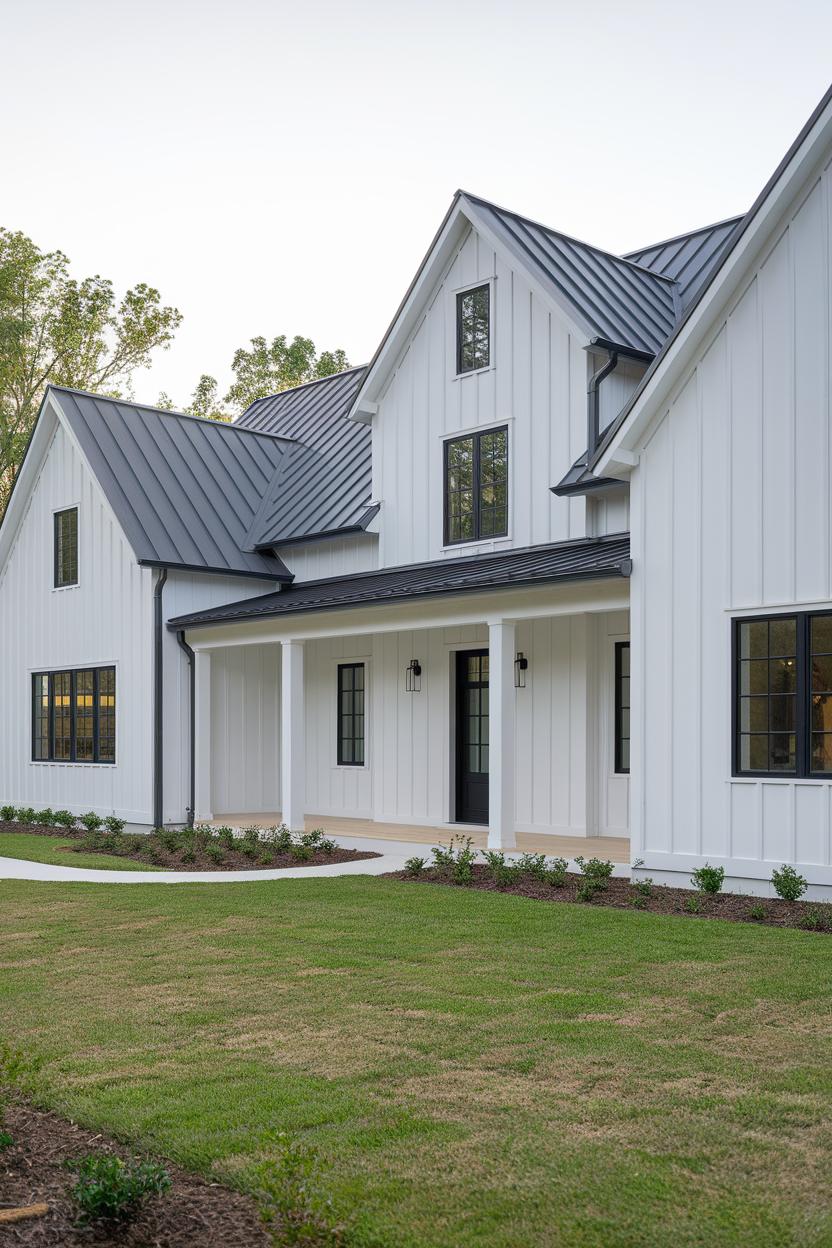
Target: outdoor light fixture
[413, 676]
[521, 664]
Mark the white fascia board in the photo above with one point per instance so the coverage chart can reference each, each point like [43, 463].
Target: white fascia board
[46, 422]
[660, 381]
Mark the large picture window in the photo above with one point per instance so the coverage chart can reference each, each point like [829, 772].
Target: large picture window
[622, 706]
[66, 548]
[783, 695]
[351, 714]
[74, 716]
[476, 486]
[473, 331]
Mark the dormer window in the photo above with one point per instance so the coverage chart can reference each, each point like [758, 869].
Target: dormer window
[473, 331]
[66, 548]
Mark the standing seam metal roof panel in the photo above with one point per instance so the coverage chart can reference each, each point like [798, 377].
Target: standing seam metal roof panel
[688, 258]
[184, 490]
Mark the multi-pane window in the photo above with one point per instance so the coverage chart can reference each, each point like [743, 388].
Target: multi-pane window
[351, 714]
[66, 547]
[74, 716]
[622, 706]
[783, 700]
[476, 486]
[472, 329]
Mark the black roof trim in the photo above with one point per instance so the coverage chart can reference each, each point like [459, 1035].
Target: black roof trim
[576, 560]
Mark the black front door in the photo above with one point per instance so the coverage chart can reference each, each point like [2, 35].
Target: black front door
[472, 736]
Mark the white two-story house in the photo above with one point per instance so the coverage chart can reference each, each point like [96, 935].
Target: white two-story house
[557, 561]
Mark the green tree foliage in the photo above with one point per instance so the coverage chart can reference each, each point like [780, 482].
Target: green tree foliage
[270, 367]
[54, 328]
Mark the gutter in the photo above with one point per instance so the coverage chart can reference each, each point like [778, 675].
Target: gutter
[189, 655]
[158, 700]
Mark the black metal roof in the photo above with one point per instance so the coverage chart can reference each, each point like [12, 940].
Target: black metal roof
[184, 490]
[324, 482]
[580, 559]
[620, 301]
[688, 258]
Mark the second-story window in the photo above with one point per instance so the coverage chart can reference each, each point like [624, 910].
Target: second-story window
[473, 329]
[476, 486]
[66, 548]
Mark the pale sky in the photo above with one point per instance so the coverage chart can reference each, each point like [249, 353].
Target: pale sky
[282, 167]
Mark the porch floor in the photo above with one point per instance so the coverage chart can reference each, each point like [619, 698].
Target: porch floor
[614, 848]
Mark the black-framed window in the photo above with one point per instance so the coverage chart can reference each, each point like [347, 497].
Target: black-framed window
[783, 695]
[476, 486]
[74, 716]
[66, 547]
[622, 706]
[473, 333]
[351, 691]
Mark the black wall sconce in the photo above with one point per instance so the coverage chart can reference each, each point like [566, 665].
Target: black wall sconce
[521, 664]
[413, 676]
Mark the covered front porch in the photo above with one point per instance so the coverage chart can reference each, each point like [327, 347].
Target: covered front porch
[487, 714]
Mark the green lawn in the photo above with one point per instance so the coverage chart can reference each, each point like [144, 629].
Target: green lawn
[53, 849]
[474, 1069]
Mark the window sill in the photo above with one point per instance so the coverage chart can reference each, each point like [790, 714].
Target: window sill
[775, 778]
[474, 372]
[49, 762]
[63, 589]
[477, 542]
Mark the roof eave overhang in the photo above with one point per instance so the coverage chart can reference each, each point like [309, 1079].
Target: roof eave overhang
[616, 452]
[325, 535]
[595, 485]
[266, 574]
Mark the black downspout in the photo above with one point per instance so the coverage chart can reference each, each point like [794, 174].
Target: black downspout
[158, 700]
[189, 655]
[593, 415]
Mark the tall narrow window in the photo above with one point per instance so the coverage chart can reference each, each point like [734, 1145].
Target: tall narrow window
[66, 547]
[473, 329]
[476, 486]
[351, 714]
[622, 706]
[74, 716]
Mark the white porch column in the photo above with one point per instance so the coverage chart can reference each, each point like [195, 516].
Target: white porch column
[501, 696]
[292, 737]
[202, 734]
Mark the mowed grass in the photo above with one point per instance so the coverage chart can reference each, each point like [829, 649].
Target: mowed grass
[57, 849]
[473, 1069]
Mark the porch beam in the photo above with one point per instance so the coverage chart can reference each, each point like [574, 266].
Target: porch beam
[292, 737]
[202, 735]
[501, 713]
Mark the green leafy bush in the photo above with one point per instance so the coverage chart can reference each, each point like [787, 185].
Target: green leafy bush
[6, 1140]
[644, 888]
[188, 854]
[312, 839]
[266, 856]
[708, 879]
[46, 817]
[813, 919]
[280, 838]
[111, 1190]
[757, 912]
[502, 873]
[327, 845]
[595, 869]
[556, 872]
[64, 818]
[414, 866]
[215, 854]
[91, 821]
[788, 884]
[693, 904]
[533, 865]
[89, 842]
[7, 813]
[444, 857]
[300, 852]
[638, 901]
[114, 825]
[168, 838]
[225, 836]
[26, 814]
[589, 887]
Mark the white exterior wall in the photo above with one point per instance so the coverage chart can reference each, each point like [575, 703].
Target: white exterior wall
[335, 556]
[245, 729]
[104, 620]
[536, 385]
[731, 515]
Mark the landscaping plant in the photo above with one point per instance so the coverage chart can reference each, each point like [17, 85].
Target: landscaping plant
[502, 872]
[114, 825]
[533, 865]
[91, 821]
[708, 879]
[556, 872]
[26, 815]
[64, 818]
[46, 817]
[7, 813]
[414, 866]
[111, 1190]
[788, 884]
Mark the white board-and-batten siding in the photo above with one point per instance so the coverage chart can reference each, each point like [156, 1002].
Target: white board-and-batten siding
[732, 515]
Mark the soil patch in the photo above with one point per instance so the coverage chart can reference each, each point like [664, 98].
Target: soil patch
[622, 893]
[203, 854]
[33, 1169]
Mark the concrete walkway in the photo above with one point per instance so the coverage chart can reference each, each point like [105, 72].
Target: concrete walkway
[393, 855]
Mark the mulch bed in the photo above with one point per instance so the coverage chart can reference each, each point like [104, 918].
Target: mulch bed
[193, 1214]
[135, 846]
[620, 893]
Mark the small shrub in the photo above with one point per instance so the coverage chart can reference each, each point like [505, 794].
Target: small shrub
[533, 865]
[226, 837]
[693, 905]
[589, 887]
[114, 825]
[502, 873]
[556, 872]
[312, 839]
[638, 901]
[280, 838]
[215, 854]
[91, 821]
[6, 1140]
[463, 871]
[788, 884]
[327, 846]
[111, 1190]
[757, 912]
[414, 866]
[7, 813]
[89, 842]
[300, 852]
[443, 857]
[64, 818]
[812, 919]
[188, 854]
[45, 817]
[644, 888]
[266, 856]
[708, 879]
[596, 875]
[168, 838]
[26, 814]
[201, 836]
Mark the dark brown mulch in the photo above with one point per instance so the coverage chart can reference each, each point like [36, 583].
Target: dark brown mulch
[193, 1214]
[136, 847]
[620, 893]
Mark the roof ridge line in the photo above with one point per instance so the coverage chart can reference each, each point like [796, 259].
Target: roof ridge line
[569, 238]
[665, 242]
[316, 381]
